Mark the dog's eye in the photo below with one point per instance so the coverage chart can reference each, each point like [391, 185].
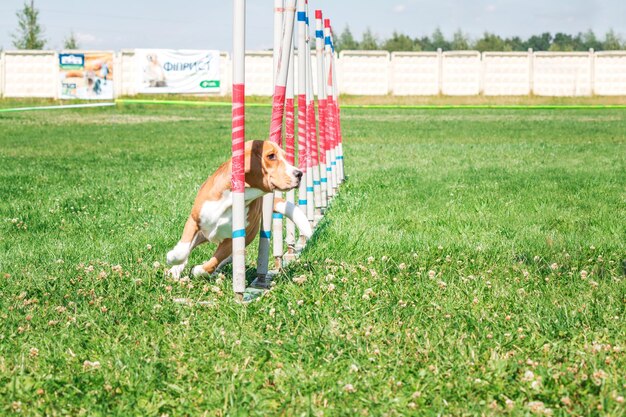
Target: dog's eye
[271, 157]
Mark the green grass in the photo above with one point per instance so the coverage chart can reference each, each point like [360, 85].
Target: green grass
[478, 224]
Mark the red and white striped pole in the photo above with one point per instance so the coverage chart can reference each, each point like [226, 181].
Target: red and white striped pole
[339, 147]
[290, 148]
[277, 218]
[326, 188]
[238, 180]
[310, 133]
[276, 133]
[314, 152]
[265, 234]
[302, 112]
[330, 103]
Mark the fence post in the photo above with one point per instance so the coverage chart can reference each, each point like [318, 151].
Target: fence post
[389, 73]
[57, 78]
[531, 72]
[592, 72]
[481, 82]
[439, 71]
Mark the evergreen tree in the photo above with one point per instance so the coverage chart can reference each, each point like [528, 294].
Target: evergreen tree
[29, 34]
[612, 41]
[398, 42]
[368, 41]
[346, 41]
[460, 41]
[589, 40]
[70, 42]
[438, 40]
[423, 44]
[491, 42]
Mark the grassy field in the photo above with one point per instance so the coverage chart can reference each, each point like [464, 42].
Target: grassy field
[474, 263]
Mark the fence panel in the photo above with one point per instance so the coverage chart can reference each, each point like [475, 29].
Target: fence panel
[506, 73]
[364, 72]
[259, 73]
[414, 73]
[31, 74]
[562, 74]
[461, 71]
[610, 73]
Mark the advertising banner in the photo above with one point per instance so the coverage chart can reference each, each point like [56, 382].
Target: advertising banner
[86, 75]
[177, 71]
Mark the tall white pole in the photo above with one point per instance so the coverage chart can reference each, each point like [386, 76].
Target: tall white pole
[326, 187]
[315, 160]
[302, 111]
[290, 148]
[339, 148]
[331, 139]
[268, 201]
[310, 140]
[238, 180]
[276, 132]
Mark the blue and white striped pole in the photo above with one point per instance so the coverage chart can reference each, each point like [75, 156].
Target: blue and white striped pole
[326, 189]
[328, 58]
[338, 148]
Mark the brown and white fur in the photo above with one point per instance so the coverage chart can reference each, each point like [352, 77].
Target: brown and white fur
[211, 215]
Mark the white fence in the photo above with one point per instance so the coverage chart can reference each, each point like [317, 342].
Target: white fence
[36, 73]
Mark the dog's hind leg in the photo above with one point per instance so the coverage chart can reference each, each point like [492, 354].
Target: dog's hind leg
[224, 250]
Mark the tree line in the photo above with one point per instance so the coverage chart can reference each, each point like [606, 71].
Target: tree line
[30, 35]
[487, 42]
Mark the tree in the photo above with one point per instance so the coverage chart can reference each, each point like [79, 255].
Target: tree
[541, 42]
[29, 34]
[368, 41]
[71, 42]
[612, 41]
[491, 42]
[346, 41]
[516, 43]
[438, 40]
[562, 42]
[423, 44]
[589, 40]
[460, 42]
[398, 42]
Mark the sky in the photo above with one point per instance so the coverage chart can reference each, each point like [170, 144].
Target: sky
[206, 24]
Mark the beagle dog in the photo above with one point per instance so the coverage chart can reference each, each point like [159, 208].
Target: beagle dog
[211, 215]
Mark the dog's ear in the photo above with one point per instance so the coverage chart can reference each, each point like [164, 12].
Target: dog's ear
[254, 156]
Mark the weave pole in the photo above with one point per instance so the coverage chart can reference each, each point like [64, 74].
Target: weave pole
[326, 189]
[302, 122]
[339, 147]
[238, 180]
[315, 164]
[330, 111]
[276, 133]
[290, 151]
[277, 218]
[310, 132]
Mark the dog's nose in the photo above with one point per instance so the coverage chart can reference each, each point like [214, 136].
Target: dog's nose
[298, 174]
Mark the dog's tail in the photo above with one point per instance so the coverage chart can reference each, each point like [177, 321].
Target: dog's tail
[294, 214]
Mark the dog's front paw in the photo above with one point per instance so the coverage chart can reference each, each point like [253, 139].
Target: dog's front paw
[176, 271]
[178, 255]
